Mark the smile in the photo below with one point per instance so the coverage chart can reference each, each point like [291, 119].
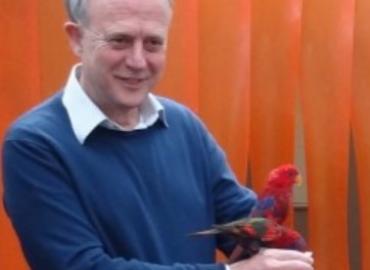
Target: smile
[131, 81]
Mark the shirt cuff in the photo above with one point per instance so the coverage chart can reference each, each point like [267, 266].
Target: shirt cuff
[227, 267]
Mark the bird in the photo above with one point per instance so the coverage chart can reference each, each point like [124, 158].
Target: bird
[263, 227]
[276, 197]
[254, 233]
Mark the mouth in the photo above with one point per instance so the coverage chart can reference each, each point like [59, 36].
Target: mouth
[132, 82]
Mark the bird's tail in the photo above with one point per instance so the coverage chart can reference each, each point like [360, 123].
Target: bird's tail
[206, 232]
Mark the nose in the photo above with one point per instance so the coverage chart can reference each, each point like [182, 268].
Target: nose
[136, 58]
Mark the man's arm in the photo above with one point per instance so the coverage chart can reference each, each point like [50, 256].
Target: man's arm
[231, 201]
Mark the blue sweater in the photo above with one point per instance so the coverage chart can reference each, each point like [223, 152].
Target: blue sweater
[121, 200]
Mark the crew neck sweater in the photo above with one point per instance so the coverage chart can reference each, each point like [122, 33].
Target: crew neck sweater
[121, 200]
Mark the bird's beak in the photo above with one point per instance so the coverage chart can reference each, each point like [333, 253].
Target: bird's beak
[298, 180]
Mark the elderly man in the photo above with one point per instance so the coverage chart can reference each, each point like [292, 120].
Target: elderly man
[105, 175]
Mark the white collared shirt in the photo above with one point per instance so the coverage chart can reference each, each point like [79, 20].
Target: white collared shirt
[85, 115]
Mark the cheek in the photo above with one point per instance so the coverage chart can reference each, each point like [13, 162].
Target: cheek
[157, 62]
[107, 58]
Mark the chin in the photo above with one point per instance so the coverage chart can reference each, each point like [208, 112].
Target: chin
[132, 101]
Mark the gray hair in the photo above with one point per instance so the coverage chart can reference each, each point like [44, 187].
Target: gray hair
[76, 9]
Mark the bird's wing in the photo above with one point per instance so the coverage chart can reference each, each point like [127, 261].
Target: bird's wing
[264, 207]
[271, 208]
[233, 227]
[237, 223]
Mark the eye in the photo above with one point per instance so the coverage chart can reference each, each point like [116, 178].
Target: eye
[119, 41]
[154, 44]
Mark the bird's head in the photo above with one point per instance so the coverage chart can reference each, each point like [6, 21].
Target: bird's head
[284, 177]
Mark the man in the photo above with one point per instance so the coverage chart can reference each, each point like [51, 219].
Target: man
[104, 175]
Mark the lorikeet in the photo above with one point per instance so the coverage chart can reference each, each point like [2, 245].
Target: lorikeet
[256, 232]
[263, 228]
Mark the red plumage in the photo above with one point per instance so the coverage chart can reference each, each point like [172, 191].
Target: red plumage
[263, 228]
[288, 239]
[276, 198]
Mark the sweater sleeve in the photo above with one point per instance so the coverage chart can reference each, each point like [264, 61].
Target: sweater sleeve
[50, 221]
[231, 200]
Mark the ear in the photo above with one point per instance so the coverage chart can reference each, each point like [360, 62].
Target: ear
[75, 35]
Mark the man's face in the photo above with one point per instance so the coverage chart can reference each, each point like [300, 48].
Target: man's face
[123, 50]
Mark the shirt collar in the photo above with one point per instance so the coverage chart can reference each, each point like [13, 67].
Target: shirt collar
[85, 115]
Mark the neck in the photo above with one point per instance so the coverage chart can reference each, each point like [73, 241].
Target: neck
[126, 118]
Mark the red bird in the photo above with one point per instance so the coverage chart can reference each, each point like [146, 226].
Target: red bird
[276, 198]
[263, 227]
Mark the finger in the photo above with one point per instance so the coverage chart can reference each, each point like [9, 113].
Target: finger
[284, 255]
[308, 253]
[293, 265]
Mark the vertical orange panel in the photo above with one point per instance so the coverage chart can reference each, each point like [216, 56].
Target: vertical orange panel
[19, 76]
[326, 85]
[224, 76]
[360, 119]
[56, 58]
[181, 79]
[19, 89]
[276, 27]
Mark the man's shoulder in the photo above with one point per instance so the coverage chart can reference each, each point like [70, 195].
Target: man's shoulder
[177, 110]
[43, 119]
[171, 104]
[182, 118]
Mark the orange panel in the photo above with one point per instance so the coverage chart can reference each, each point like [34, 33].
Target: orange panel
[224, 76]
[181, 79]
[276, 27]
[19, 76]
[326, 85]
[56, 58]
[20, 89]
[360, 119]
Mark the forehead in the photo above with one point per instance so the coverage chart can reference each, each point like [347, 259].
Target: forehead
[105, 14]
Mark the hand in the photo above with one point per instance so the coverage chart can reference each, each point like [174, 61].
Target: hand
[276, 259]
